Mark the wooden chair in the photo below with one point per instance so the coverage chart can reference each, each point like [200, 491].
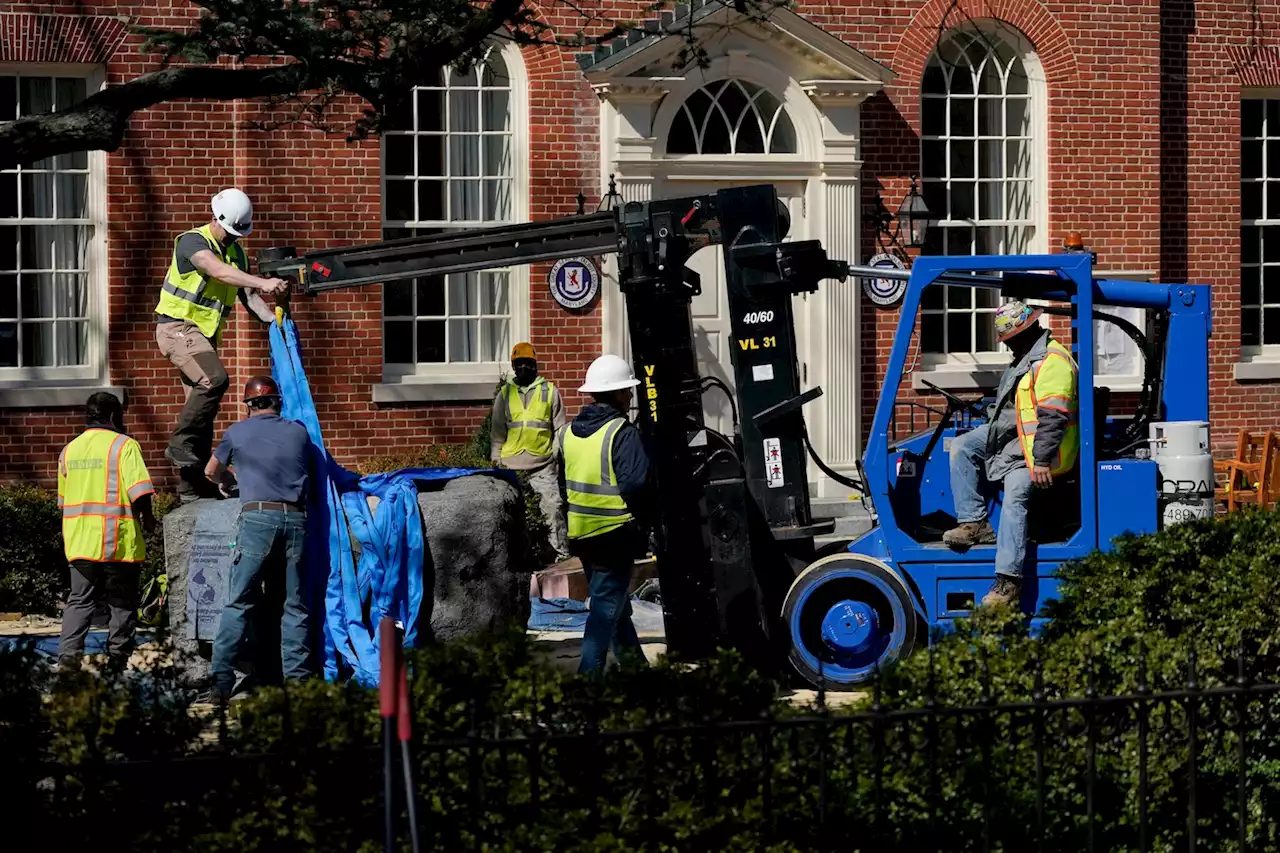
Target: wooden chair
[1253, 476]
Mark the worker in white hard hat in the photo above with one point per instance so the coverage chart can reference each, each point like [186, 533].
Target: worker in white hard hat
[605, 478]
[1031, 437]
[208, 269]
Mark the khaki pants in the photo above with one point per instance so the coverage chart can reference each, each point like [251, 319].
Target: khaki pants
[546, 482]
[205, 381]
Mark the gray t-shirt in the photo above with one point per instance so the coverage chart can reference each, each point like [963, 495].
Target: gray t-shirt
[272, 457]
[188, 245]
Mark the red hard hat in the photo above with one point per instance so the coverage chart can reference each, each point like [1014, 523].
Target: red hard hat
[260, 386]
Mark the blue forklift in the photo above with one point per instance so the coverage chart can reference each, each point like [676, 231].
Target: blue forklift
[734, 532]
[851, 612]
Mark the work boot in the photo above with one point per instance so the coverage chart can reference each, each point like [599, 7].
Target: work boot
[182, 457]
[1006, 590]
[970, 533]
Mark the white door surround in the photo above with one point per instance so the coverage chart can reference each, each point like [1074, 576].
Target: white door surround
[821, 83]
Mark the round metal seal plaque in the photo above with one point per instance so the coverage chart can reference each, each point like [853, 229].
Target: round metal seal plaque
[885, 292]
[574, 282]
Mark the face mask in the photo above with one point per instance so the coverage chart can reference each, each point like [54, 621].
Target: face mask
[525, 375]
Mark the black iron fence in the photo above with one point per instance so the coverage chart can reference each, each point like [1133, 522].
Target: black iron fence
[1193, 767]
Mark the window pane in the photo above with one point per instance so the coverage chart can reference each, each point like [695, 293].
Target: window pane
[8, 247]
[933, 117]
[399, 201]
[493, 293]
[464, 344]
[1270, 326]
[962, 122]
[933, 159]
[464, 294]
[496, 110]
[8, 344]
[496, 340]
[991, 201]
[1251, 200]
[1251, 117]
[989, 113]
[397, 342]
[962, 205]
[959, 338]
[1272, 210]
[464, 200]
[1270, 286]
[431, 156]
[431, 341]
[1250, 327]
[430, 296]
[8, 196]
[1249, 249]
[37, 195]
[464, 111]
[986, 333]
[1250, 289]
[931, 339]
[1017, 117]
[497, 200]
[397, 299]
[962, 159]
[1271, 243]
[464, 156]
[72, 196]
[8, 297]
[497, 156]
[932, 296]
[959, 297]
[398, 155]
[430, 110]
[431, 201]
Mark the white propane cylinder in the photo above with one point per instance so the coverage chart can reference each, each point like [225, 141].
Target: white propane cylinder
[1182, 456]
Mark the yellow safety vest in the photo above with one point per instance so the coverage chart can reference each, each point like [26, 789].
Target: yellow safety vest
[595, 501]
[100, 475]
[1051, 384]
[190, 296]
[529, 430]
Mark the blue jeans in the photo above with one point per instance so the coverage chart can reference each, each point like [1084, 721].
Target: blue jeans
[264, 540]
[609, 621]
[968, 458]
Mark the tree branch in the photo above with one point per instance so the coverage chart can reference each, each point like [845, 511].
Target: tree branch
[98, 122]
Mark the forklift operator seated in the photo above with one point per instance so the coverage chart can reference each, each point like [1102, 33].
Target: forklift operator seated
[1031, 438]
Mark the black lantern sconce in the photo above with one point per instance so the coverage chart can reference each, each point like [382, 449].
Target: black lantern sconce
[608, 203]
[912, 219]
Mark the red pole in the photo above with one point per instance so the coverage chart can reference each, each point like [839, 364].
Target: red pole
[388, 647]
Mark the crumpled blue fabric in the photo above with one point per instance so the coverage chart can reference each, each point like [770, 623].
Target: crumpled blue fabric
[388, 579]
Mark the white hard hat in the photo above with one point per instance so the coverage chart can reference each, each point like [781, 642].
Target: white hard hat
[608, 373]
[234, 212]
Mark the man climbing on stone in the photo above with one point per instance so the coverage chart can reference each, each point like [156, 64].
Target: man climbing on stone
[527, 415]
[206, 272]
[1031, 438]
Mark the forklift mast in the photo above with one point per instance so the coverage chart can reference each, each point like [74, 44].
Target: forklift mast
[735, 524]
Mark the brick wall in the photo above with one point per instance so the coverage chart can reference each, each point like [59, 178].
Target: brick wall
[1142, 158]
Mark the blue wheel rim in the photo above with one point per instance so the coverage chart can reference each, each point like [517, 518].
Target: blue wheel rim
[860, 657]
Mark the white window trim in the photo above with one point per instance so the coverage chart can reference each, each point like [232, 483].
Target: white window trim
[428, 383]
[969, 370]
[71, 386]
[1260, 362]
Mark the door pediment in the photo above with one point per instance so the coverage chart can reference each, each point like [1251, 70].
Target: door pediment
[655, 56]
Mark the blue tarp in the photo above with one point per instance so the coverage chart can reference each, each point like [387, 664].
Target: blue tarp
[95, 642]
[351, 600]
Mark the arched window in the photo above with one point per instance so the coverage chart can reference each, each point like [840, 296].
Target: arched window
[977, 154]
[450, 167]
[732, 117]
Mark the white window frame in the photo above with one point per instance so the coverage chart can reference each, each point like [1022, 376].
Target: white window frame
[973, 369]
[1262, 361]
[57, 386]
[470, 381]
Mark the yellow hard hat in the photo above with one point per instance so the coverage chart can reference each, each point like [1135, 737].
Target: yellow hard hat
[523, 350]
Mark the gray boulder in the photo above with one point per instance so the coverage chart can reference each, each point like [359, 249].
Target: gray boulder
[476, 564]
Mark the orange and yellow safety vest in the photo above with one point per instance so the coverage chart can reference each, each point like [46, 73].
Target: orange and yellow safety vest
[100, 475]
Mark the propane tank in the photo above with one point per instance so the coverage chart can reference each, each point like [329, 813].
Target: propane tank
[1182, 456]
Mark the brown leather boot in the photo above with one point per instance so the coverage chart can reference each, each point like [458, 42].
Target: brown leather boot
[1006, 590]
[970, 533]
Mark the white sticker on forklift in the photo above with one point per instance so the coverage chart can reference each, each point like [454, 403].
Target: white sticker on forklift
[773, 462]
[762, 372]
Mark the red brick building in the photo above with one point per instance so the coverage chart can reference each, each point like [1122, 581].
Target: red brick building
[1151, 127]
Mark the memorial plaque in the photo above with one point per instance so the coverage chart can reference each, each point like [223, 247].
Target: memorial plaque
[208, 565]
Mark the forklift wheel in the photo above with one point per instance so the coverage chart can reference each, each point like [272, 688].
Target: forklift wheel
[848, 615]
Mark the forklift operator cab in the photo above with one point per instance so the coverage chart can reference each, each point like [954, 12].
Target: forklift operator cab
[896, 586]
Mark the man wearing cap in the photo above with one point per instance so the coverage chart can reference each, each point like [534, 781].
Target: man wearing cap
[272, 461]
[206, 271]
[1031, 437]
[606, 484]
[527, 415]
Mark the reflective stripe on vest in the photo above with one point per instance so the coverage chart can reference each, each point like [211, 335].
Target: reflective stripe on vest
[98, 521]
[529, 429]
[191, 296]
[596, 505]
[1058, 392]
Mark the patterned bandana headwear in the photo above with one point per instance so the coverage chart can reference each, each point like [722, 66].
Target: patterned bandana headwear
[1014, 317]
